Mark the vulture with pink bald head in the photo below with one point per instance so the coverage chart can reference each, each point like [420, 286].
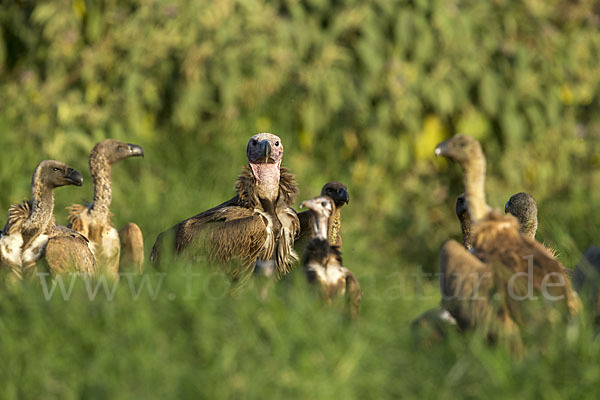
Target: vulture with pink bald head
[256, 225]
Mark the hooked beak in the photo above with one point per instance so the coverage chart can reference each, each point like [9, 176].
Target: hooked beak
[343, 195]
[135, 150]
[74, 177]
[440, 149]
[265, 151]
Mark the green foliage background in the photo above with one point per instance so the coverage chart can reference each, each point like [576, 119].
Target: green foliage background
[359, 91]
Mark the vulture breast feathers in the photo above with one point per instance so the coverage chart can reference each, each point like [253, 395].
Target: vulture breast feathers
[258, 224]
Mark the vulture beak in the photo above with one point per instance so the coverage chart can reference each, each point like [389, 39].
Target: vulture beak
[441, 148]
[74, 177]
[343, 195]
[265, 151]
[135, 150]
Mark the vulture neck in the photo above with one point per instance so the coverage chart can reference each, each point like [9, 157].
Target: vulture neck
[465, 224]
[529, 227]
[267, 180]
[320, 226]
[475, 187]
[42, 206]
[335, 224]
[100, 170]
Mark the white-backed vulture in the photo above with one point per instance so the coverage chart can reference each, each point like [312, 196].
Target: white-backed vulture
[30, 225]
[257, 225]
[93, 220]
[338, 192]
[499, 256]
[323, 261]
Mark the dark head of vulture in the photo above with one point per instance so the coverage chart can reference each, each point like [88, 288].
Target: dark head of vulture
[323, 261]
[24, 237]
[499, 252]
[256, 225]
[462, 212]
[93, 220]
[524, 208]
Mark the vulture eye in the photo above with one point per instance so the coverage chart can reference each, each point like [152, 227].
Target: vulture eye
[276, 143]
[324, 204]
[254, 142]
[55, 169]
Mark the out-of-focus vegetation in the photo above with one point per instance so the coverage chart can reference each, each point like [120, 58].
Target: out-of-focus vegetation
[359, 92]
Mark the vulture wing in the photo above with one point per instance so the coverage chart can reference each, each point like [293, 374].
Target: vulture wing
[465, 283]
[353, 292]
[225, 233]
[69, 251]
[132, 246]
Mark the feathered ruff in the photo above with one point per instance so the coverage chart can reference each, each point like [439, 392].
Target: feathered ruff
[242, 230]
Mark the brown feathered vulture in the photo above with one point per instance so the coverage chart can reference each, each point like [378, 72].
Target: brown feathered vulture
[500, 254]
[336, 191]
[93, 220]
[323, 261]
[30, 225]
[256, 225]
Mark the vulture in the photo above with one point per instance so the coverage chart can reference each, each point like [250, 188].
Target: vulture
[257, 225]
[93, 220]
[323, 260]
[479, 287]
[338, 192]
[465, 220]
[30, 227]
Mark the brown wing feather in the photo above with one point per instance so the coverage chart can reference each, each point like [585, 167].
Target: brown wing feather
[465, 283]
[68, 251]
[498, 241]
[132, 246]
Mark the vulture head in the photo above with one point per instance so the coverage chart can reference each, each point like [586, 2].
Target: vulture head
[115, 151]
[524, 207]
[336, 191]
[462, 149]
[54, 174]
[322, 207]
[466, 151]
[265, 152]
